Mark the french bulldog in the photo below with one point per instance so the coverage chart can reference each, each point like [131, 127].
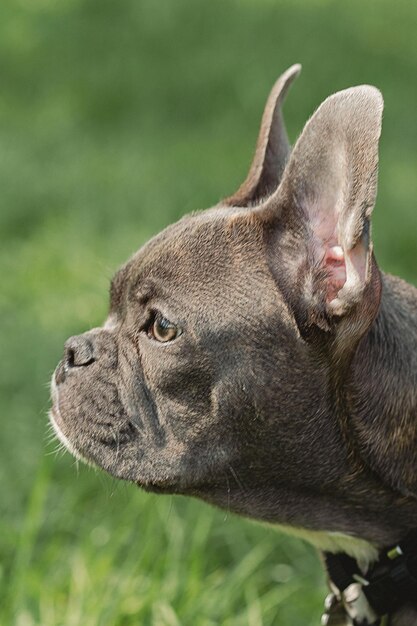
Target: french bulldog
[256, 357]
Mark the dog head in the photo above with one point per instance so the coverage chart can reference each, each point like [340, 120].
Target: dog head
[214, 372]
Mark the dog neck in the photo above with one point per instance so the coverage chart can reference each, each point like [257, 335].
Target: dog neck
[382, 391]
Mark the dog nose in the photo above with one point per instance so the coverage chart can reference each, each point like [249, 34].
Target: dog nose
[79, 352]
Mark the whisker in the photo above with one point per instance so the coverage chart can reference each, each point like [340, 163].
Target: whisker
[228, 500]
[116, 438]
[58, 451]
[236, 477]
[77, 466]
[136, 425]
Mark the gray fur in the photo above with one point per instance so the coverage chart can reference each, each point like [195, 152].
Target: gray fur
[288, 397]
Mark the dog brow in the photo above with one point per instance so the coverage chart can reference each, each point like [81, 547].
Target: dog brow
[144, 289]
[116, 287]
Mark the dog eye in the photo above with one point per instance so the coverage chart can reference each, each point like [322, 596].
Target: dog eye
[163, 330]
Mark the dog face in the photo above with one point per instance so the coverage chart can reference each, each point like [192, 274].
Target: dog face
[214, 372]
[170, 393]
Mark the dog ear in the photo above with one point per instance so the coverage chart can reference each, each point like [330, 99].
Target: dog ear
[319, 218]
[272, 148]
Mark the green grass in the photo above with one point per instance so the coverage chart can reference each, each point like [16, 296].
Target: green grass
[115, 119]
[135, 559]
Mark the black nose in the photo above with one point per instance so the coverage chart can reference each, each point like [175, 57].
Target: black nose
[79, 352]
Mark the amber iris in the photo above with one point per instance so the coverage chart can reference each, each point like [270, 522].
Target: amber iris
[163, 330]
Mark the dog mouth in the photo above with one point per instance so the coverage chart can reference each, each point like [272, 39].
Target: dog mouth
[105, 454]
[119, 452]
[54, 420]
[57, 423]
[110, 421]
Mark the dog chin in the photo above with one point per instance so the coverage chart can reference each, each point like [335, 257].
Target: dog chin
[160, 487]
[54, 419]
[147, 477]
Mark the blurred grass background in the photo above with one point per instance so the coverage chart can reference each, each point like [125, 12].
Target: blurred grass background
[116, 118]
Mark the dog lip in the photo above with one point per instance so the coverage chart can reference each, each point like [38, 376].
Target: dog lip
[156, 487]
[55, 420]
[60, 373]
[56, 423]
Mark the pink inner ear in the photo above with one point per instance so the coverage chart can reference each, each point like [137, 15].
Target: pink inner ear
[342, 264]
[334, 261]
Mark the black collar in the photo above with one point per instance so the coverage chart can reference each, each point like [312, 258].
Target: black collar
[390, 583]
